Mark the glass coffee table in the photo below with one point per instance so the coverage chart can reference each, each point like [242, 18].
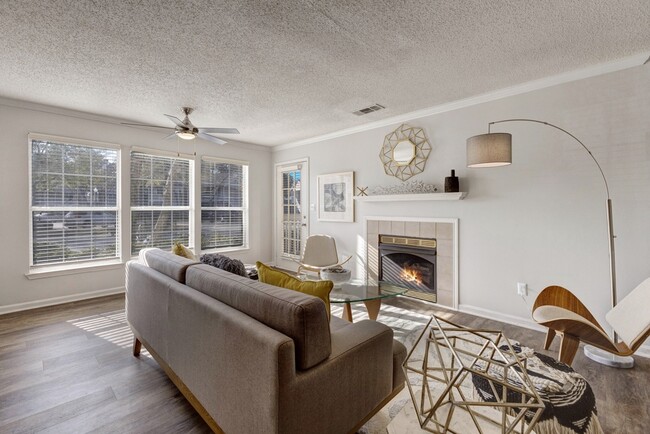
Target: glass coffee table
[362, 292]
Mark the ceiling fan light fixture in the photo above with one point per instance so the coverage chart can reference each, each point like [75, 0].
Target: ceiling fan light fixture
[185, 130]
[185, 135]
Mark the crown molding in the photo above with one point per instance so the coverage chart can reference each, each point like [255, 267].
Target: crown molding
[542, 83]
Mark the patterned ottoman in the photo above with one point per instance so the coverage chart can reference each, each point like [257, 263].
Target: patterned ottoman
[570, 405]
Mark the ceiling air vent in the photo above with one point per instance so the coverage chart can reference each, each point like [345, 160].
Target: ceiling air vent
[372, 108]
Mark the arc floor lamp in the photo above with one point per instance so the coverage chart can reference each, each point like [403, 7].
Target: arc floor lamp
[495, 149]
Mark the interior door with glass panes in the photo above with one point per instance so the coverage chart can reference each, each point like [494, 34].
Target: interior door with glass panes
[292, 213]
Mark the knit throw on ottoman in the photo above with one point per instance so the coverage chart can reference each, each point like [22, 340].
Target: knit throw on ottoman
[570, 405]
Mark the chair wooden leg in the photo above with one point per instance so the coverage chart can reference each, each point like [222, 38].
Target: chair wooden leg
[550, 334]
[568, 348]
[137, 346]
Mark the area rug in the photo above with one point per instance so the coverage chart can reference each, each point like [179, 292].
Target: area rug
[398, 416]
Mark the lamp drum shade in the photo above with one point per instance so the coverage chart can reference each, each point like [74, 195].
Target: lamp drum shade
[489, 150]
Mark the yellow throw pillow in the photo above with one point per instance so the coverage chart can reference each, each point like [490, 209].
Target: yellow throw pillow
[320, 289]
[181, 250]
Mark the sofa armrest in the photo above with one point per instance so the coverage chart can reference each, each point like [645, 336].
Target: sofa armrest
[335, 395]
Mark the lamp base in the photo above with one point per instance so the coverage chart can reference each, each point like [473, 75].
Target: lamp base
[607, 358]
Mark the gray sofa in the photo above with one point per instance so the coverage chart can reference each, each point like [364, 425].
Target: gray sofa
[255, 358]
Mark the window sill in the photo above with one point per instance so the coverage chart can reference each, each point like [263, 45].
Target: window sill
[64, 270]
[225, 250]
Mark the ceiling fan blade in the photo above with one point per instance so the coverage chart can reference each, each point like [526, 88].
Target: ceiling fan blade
[175, 120]
[143, 125]
[219, 130]
[210, 138]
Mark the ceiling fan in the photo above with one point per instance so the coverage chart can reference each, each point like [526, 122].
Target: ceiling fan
[187, 131]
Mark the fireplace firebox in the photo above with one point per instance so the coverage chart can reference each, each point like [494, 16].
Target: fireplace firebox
[409, 262]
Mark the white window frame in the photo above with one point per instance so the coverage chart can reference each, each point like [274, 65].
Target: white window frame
[82, 263]
[191, 204]
[245, 208]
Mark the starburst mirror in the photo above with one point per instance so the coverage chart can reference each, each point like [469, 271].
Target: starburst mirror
[405, 152]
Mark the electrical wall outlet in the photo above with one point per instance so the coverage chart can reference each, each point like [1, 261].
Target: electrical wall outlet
[522, 289]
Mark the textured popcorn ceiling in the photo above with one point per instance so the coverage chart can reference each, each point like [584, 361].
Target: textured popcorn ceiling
[287, 70]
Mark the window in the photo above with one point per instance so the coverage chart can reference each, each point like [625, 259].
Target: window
[74, 201]
[161, 191]
[224, 204]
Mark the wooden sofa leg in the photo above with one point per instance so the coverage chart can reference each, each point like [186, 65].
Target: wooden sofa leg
[550, 334]
[137, 346]
[568, 348]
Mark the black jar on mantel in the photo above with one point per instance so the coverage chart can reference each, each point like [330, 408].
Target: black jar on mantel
[451, 183]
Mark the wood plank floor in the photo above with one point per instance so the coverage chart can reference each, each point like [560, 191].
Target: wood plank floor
[69, 369]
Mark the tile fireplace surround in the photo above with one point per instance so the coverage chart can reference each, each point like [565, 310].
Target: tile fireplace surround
[445, 231]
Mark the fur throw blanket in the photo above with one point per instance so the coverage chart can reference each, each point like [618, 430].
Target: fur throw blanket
[225, 263]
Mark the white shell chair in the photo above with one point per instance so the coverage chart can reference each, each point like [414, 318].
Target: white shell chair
[320, 253]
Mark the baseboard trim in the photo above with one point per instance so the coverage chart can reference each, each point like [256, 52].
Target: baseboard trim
[18, 307]
[644, 351]
[503, 317]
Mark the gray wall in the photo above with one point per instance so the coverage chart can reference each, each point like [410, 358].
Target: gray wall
[541, 220]
[17, 119]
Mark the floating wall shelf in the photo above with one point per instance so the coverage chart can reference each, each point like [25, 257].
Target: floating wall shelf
[415, 197]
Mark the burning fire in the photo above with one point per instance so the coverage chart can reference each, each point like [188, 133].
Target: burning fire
[411, 275]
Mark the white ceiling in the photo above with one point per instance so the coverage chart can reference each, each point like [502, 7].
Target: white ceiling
[286, 70]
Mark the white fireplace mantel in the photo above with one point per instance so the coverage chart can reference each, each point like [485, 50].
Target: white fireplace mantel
[413, 197]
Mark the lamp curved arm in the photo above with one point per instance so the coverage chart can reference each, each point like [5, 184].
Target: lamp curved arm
[610, 223]
[564, 131]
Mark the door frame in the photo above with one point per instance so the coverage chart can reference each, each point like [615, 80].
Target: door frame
[277, 199]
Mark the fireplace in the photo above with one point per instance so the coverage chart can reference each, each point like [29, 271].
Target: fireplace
[409, 262]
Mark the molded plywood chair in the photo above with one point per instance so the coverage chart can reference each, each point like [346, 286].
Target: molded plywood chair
[320, 253]
[561, 311]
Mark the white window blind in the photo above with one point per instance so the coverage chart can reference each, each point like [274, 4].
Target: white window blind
[224, 204]
[160, 201]
[73, 203]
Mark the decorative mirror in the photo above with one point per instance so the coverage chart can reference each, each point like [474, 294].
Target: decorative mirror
[405, 152]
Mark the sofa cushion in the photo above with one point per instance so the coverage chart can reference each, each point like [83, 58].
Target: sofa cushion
[320, 289]
[166, 263]
[299, 316]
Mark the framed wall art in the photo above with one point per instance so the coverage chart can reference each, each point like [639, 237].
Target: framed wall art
[335, 202]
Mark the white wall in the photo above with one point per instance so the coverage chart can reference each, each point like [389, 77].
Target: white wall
[541, 220]
[17, 119]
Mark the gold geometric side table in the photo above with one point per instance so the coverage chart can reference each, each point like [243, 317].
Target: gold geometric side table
[441, 382]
